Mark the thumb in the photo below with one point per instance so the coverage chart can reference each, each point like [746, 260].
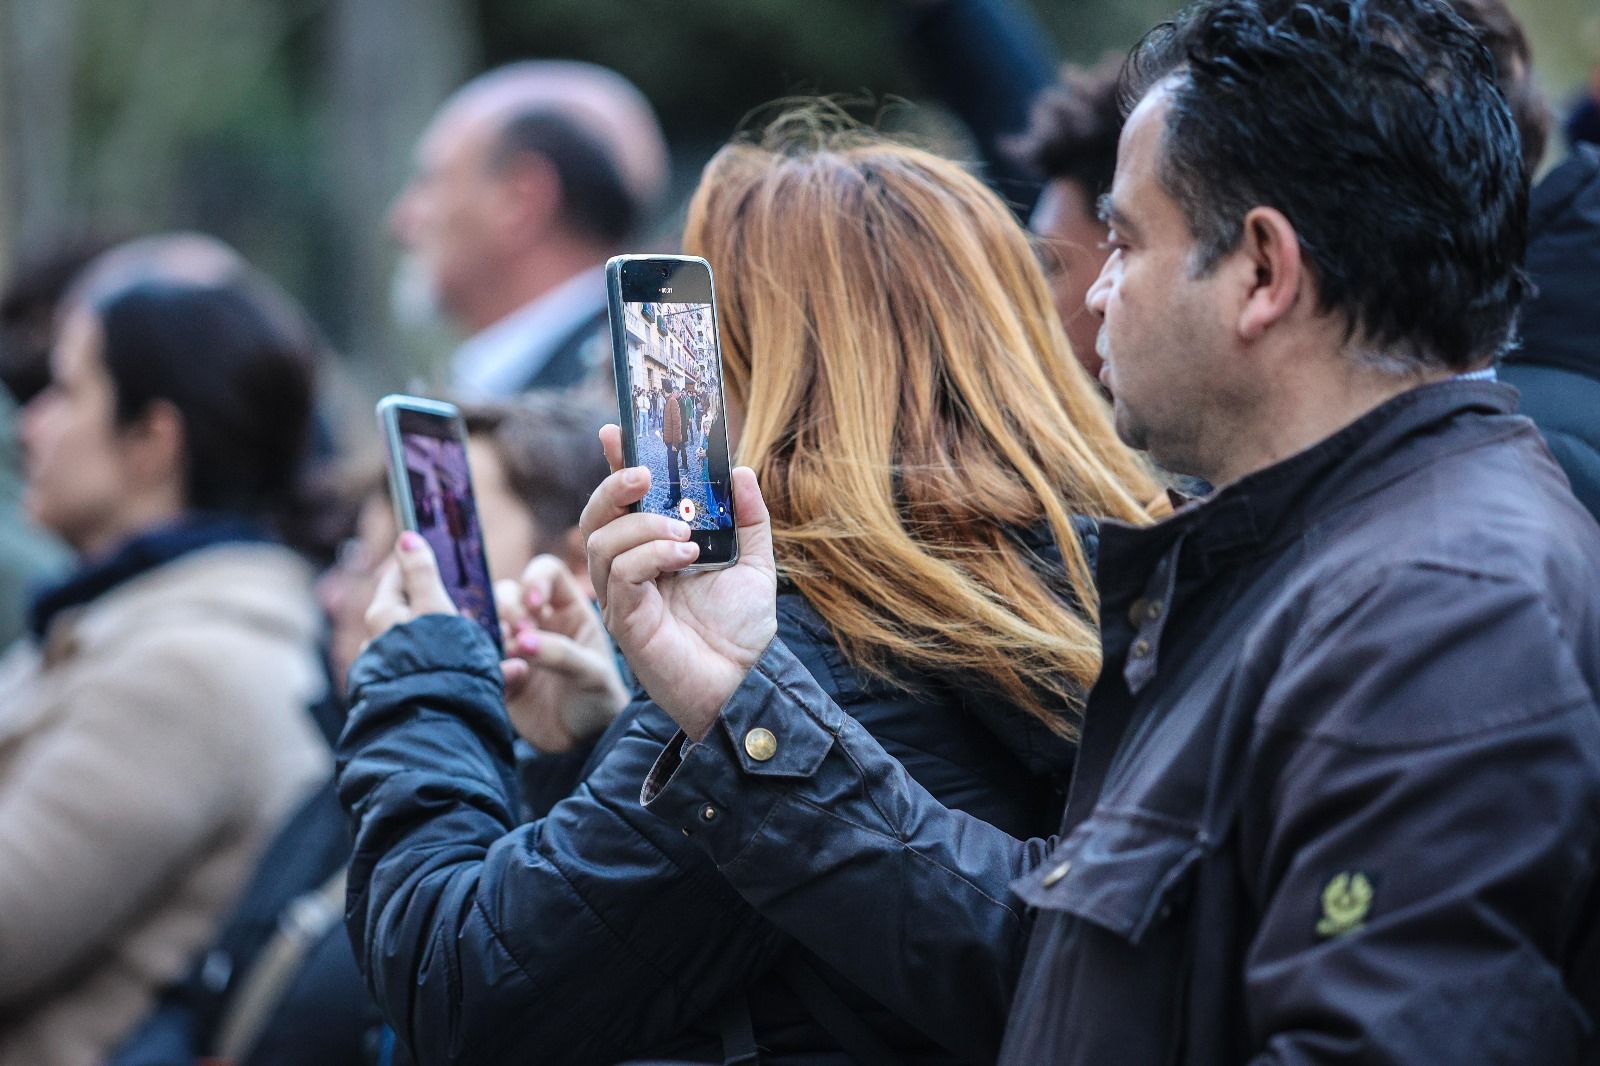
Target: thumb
[419, 576]
[755, 524]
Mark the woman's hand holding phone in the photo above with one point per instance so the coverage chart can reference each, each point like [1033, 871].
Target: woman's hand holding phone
[691, 639]
[561, 682]
[408, 588]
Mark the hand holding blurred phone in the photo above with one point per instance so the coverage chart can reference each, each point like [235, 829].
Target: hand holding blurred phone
[667, 356]
[431, 487]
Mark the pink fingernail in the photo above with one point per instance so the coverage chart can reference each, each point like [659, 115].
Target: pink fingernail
[528, 643]
[410, 542]
[534, 598]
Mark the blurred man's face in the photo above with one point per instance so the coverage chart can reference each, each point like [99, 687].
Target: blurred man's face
[1073, 241]
[446, 217]
[1164, 333]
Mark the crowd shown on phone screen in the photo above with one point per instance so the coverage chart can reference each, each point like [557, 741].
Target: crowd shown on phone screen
[1165, 625]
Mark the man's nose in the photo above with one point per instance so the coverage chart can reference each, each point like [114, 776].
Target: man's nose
[1100, 292]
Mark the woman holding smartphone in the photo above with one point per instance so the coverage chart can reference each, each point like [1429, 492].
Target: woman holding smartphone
[935, 459]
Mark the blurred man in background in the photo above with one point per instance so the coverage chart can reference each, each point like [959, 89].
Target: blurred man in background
[1556, 367]
[529, 178]
[1072, 144]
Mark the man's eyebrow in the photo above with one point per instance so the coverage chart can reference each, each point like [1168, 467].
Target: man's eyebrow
[1110, 215]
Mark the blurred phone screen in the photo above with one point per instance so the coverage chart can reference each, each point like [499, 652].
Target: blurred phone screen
[445, 512]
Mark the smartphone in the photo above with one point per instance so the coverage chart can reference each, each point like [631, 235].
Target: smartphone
[667, 356]
[431, 487]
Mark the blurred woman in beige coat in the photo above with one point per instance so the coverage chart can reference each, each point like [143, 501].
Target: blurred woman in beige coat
[153, 731]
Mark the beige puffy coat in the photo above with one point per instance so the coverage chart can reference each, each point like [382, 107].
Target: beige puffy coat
[146, 754]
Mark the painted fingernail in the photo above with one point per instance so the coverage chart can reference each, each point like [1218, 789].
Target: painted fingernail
[410, 542]
[534, 598]
[528, 643]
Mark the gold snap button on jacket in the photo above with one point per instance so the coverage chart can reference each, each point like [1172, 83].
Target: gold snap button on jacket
[1056, 875]
[760, 744]
[1136, 613]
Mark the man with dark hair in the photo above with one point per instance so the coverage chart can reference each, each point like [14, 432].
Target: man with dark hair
[1556, 367]
[1072, 144]
[530, 177]
[1337, 790]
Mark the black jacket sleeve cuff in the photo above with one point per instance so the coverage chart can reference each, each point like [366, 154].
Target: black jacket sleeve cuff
[775, 731]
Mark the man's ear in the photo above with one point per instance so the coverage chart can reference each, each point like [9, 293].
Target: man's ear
[155, 444]
[1272, 251]
[531, 194]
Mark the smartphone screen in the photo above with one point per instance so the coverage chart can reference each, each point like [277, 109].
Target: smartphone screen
[669, 384]
[433, 496]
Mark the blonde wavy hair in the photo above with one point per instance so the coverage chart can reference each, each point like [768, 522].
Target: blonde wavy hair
[910, 402]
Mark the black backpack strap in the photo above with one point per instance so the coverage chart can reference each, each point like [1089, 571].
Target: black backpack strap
[854, 1036]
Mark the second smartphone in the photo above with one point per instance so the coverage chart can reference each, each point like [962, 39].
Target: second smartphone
[668, 362]
[431, 486]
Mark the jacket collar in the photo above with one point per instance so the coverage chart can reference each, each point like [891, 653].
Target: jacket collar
[137, 556]
[1278, 503]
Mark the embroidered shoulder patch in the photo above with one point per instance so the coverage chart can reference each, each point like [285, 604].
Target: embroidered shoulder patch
[1345, 903]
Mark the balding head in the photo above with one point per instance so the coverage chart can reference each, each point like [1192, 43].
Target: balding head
[529, 174]
[600, 102]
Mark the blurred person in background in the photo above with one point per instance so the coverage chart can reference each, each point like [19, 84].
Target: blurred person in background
[29, 306]
[939, 459]
[1582, 125]
[153, 730]
[30, 310]
[1071, 143]
[280, 986]
[1556, 365]
[988, 61]
[527, 181]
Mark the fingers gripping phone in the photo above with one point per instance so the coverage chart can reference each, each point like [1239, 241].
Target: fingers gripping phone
[667, 357]
[431, 487]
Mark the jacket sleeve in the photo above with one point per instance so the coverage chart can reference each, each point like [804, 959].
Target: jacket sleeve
[1431, 834]
[583, 937]
[930, 927]
[100, 811]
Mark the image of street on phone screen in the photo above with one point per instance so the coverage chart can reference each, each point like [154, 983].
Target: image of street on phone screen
[677, 412]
